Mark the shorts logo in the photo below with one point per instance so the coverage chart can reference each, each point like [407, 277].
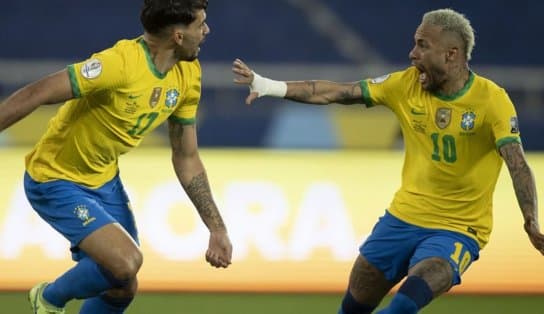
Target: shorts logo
[171, 97]
[91, 69]
[82, 212]
[467, 120]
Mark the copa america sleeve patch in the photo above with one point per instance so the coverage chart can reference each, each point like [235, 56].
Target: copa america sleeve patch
[514, 125]
[380, 79]
[91, 69]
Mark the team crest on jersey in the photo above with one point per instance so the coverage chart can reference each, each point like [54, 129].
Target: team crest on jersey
[379, 79]
[514, 126]
[82, 212]
[155, 96]
[91, 69]
[467, 120]
[172, 97]
[443, 117]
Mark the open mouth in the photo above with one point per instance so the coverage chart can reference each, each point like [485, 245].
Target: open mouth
[423, 77]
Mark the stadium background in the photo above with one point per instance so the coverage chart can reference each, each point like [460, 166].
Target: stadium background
[300, 186]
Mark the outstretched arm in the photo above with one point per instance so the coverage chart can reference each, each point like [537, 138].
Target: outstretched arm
[52, 89]
[524, 186]
[312, 92]
[192, 176]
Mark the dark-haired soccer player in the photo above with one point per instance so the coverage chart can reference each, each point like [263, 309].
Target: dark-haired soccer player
[457, 127]
[112, 100]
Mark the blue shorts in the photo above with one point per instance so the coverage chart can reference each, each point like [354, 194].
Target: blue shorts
[394, 246]
[75, 211]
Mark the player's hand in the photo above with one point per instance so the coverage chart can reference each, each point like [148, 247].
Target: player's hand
[219, 253]
[244, 76]
[537, 238]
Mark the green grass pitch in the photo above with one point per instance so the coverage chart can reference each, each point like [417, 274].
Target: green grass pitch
[232, 303]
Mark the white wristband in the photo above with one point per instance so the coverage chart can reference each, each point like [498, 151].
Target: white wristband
[266, 87]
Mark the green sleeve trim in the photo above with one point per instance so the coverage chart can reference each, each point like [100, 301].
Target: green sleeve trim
[366, 94]
[506, 140]
[73, 81]
[182, 121]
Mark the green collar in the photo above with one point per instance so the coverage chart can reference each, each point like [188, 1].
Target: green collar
[460, 93]
[150, 63]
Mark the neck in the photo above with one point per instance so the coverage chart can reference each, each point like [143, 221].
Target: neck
[161, 51]
[457, 79]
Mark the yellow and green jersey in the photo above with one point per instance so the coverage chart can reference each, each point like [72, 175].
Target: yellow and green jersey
[451, 161]
[119, 97]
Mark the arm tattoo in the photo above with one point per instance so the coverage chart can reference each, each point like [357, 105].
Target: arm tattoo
[303, 92]
[324, 92]
[200, 194]
[523, 180]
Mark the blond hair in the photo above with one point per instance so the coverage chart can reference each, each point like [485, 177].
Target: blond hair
[455, 22]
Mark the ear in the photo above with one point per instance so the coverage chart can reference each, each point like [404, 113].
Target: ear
[178, 36]
[452, 54]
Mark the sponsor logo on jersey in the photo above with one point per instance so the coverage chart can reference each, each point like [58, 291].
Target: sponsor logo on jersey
[171, 97]
[443, 117]
[514, 126]
[91, 69]
[380, 79]
[155, 96]
[467, 120]
[82, 212]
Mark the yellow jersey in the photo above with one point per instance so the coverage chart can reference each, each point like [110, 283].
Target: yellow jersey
[119, 97]
[451, 143]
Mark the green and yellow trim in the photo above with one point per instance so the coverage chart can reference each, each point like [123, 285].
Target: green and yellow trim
[460, 93]
[76, 91]
[150, 63]
[366, 94]
[183, 121]
[506, 140]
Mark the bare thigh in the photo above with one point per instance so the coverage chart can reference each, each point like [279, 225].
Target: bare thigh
[367, 284]
[113, 248]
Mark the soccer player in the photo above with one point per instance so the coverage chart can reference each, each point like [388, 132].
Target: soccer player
[112, 100]
[457, 126]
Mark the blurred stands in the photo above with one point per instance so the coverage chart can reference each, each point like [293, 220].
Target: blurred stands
[343, 40]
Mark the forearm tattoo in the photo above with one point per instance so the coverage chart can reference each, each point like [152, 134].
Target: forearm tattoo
[303, 92]
[522, 178]
[324, 92]
[200, 194]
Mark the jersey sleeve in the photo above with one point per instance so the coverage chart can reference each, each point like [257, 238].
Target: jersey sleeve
[383, 90]
[102, 71]
[185, 113]
[503, 120]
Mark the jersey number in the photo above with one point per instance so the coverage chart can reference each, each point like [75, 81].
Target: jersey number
[138, 129]
[456, 257]
[448, 148]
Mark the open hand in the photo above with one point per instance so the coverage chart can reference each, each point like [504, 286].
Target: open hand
[244, 76]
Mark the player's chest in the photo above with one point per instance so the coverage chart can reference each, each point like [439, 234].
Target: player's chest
[141, 109]
[458, 119]
[162, 99]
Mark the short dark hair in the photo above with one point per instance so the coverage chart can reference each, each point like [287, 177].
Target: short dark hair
[156, 15]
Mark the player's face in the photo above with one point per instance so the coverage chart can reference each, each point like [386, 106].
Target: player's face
[429, 57]
[193, 36]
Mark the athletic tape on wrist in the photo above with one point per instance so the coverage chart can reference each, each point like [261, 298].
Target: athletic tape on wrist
[266, 87]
